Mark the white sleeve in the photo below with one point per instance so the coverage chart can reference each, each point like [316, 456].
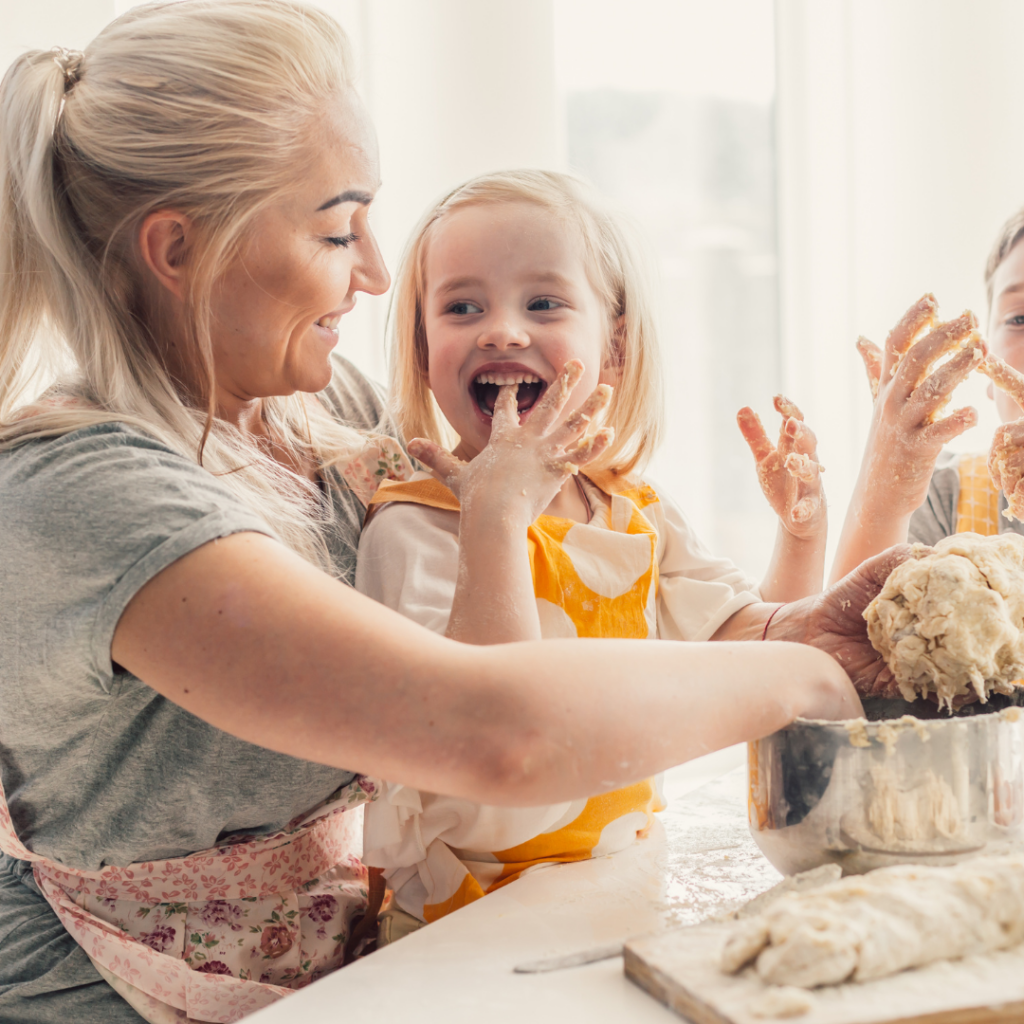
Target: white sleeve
[697, 592]
[408, 560]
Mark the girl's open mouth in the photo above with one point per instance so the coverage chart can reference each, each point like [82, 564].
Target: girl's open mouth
[485, 389]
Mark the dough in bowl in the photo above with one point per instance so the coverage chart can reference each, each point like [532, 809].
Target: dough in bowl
[949, 620]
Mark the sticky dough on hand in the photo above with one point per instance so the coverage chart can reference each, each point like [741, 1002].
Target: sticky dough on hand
[951, 620]
[1005, 462]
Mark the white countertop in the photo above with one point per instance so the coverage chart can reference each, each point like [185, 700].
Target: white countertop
[699, 859]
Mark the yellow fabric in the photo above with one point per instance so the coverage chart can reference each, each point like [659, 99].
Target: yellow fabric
[977, 507]
[557, 580]
[468, 892]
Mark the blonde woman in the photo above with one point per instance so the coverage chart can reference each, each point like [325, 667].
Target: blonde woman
[519, 288]
[194, 700]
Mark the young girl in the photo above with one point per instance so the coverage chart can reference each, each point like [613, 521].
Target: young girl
[909, 489]
[519, 294]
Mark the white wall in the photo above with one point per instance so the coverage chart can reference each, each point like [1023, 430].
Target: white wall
[900, 154]
[456, 88]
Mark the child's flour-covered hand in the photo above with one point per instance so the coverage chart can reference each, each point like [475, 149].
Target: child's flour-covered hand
[906, 434]
[789, 474]
[525, 464]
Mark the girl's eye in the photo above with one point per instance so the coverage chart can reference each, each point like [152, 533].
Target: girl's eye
[343, 242]
[464, 308]
[1017, 320]
[543, 305]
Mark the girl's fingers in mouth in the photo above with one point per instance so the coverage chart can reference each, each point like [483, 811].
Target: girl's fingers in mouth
[579, 420]
[551, 403]
[506, 410]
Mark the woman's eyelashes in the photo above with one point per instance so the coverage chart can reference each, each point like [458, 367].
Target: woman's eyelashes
[342, 241]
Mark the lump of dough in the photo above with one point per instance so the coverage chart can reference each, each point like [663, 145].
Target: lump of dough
[775, 1003]
[870, 926]
[951, 620]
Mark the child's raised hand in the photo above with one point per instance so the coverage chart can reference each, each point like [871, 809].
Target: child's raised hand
[790, 474]
[524, 465]
[906, 433]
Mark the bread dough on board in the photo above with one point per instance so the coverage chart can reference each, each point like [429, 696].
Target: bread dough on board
[950, 620]
[870, 926]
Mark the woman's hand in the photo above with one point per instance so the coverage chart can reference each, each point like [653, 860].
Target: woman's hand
[524, 465]
[833, 622]
[790, 474]
[906, 435]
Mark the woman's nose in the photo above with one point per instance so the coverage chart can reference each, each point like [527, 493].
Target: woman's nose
[503, 335]
[369, 273]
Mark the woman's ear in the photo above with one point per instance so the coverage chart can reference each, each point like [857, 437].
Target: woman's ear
[612, 369]
[163, 244]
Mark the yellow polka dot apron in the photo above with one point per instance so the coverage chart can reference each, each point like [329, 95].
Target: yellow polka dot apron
[596, 579]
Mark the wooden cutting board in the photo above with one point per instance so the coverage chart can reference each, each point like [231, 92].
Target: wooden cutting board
[680, 969]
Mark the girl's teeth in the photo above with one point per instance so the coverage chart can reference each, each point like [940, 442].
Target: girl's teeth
[330, 322]
[502, 379]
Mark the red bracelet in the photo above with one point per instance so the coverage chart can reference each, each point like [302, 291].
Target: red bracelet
[764, 635]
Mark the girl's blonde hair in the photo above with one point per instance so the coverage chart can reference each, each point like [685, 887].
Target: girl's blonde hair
[205, 106]
[618, 273]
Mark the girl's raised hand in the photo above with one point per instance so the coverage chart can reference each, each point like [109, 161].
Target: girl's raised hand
[789, 474]
[525, 464]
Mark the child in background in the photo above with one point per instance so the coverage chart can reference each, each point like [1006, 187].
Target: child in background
[909, 489]
[520, 293]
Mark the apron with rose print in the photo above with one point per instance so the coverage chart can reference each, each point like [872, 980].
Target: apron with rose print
[218, 934]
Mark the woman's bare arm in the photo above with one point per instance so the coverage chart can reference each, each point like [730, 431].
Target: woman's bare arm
[247, 636]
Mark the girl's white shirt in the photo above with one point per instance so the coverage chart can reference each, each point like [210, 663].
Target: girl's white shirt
[408, 560]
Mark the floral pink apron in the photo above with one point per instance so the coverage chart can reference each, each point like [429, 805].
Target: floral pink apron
[221, 933]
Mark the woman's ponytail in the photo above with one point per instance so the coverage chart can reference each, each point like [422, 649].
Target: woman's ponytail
[32, 225]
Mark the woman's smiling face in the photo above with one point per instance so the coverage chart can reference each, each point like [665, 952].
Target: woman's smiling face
[277, 306]
[507, 299]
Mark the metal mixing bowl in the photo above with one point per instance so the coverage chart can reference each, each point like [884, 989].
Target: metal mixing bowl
[926, 788]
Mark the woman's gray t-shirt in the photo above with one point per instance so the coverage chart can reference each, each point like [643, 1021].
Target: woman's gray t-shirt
[98, 768]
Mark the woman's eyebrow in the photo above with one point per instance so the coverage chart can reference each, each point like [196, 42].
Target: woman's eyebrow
[351, 196]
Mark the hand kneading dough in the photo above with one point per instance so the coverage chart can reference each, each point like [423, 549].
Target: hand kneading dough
[950, 620]
[892, 919]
